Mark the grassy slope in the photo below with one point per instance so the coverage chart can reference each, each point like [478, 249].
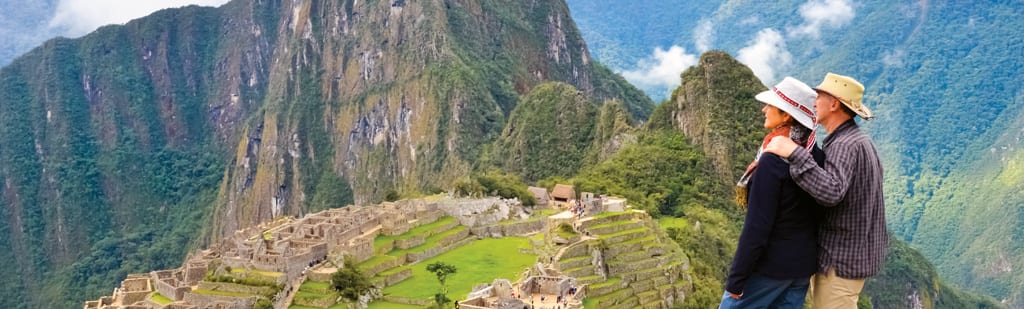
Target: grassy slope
[479, 262]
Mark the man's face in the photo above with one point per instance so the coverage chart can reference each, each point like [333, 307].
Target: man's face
[823, 105]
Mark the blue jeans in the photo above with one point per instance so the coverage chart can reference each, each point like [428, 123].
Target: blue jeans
[764, 292]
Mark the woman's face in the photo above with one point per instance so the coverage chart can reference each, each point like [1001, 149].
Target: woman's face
[774, 117]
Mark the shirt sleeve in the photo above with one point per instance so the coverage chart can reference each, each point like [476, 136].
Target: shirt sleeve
[762, 207]
[828, 185]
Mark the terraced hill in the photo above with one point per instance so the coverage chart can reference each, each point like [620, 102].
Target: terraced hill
[629, 263]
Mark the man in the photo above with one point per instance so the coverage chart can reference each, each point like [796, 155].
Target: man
[852, 237]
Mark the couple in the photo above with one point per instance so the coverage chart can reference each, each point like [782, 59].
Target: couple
[815, 218]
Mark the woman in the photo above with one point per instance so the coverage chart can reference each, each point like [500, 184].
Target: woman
[777, 252]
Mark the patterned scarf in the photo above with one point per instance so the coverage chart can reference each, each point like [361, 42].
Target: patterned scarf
[796, 132]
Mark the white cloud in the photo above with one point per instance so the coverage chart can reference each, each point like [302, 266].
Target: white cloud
[662, 68]
[77, 17]
[819, 14]
[894, 58]
[766, 54]
[704, 35]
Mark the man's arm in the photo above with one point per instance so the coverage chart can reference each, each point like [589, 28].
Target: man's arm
[827, 185]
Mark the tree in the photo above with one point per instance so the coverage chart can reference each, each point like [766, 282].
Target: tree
[442, 271]
[349, 282]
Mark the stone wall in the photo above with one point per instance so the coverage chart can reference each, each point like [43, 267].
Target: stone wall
[360, 250]
[408, 242]
[209, 301]
[408, 301]
[416, 257]
[546, 285]
[169, 287]
[453, 238]
[195, 271]
[513, 229]
[481, 212]
[371, 271]
[235, 288]
[395, 278]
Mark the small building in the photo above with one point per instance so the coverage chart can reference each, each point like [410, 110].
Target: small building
[563, 193]
[541, 194]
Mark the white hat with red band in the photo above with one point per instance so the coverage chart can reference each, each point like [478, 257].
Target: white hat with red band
[795, 98]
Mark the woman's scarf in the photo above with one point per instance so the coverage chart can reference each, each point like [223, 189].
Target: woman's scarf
[796, 132]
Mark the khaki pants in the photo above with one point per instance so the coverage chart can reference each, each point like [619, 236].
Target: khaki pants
[829, 291]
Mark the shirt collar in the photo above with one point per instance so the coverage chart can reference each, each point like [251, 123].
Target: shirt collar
[849, 125]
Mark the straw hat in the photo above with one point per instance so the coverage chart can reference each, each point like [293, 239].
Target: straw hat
[793, 97]
[847, 90]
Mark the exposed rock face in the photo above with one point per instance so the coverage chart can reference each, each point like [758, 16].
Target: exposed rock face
[403, 106]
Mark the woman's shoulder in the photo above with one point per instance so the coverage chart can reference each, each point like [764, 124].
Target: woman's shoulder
[773, 163]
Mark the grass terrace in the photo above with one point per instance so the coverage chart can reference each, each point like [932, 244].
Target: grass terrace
[160, 298]
[478, 262]
[386, 305]
[667, 222]
[413, 232]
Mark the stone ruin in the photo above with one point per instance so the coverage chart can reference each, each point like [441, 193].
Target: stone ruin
[290, 246]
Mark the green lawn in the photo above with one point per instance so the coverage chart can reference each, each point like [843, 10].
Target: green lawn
[387, 305]
[315, 285]
[667, 222]
[222, 293]
[481, 261]
[238, 272]
[336, 306]
[419, 230]
[160, 298]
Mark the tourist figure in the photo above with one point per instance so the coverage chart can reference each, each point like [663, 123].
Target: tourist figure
[777, 252]
[853, 238]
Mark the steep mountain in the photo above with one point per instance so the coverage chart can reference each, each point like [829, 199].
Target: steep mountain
[714, 107]
[126, 146]
[943, 79]
[910, 281]
[548, 133]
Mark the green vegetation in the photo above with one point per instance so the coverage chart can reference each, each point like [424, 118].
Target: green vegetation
[478, 262]
[387, 305]
[160, 298]
[348, 281]
[907, 272]
[548, 133]
[495, 183]
[658, 174]
[442, 271]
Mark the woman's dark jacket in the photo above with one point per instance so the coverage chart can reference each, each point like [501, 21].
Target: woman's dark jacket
[780, 233]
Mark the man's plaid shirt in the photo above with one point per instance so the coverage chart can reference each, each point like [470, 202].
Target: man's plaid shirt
[852, 238]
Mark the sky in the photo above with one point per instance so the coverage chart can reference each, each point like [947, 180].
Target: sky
[74, 18]
[765, 53]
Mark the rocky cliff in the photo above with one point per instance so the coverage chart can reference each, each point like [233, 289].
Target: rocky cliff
[714, 107]
[121, 147]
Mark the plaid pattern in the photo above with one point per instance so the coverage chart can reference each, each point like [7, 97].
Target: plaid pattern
[852, 237]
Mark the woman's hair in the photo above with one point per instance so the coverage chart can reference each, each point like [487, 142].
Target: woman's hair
[799, 133]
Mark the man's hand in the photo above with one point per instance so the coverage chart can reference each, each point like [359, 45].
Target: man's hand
[781, 146]
[735, 296]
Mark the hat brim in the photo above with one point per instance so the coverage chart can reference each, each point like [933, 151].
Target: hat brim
[770, 98]
[863, 111]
